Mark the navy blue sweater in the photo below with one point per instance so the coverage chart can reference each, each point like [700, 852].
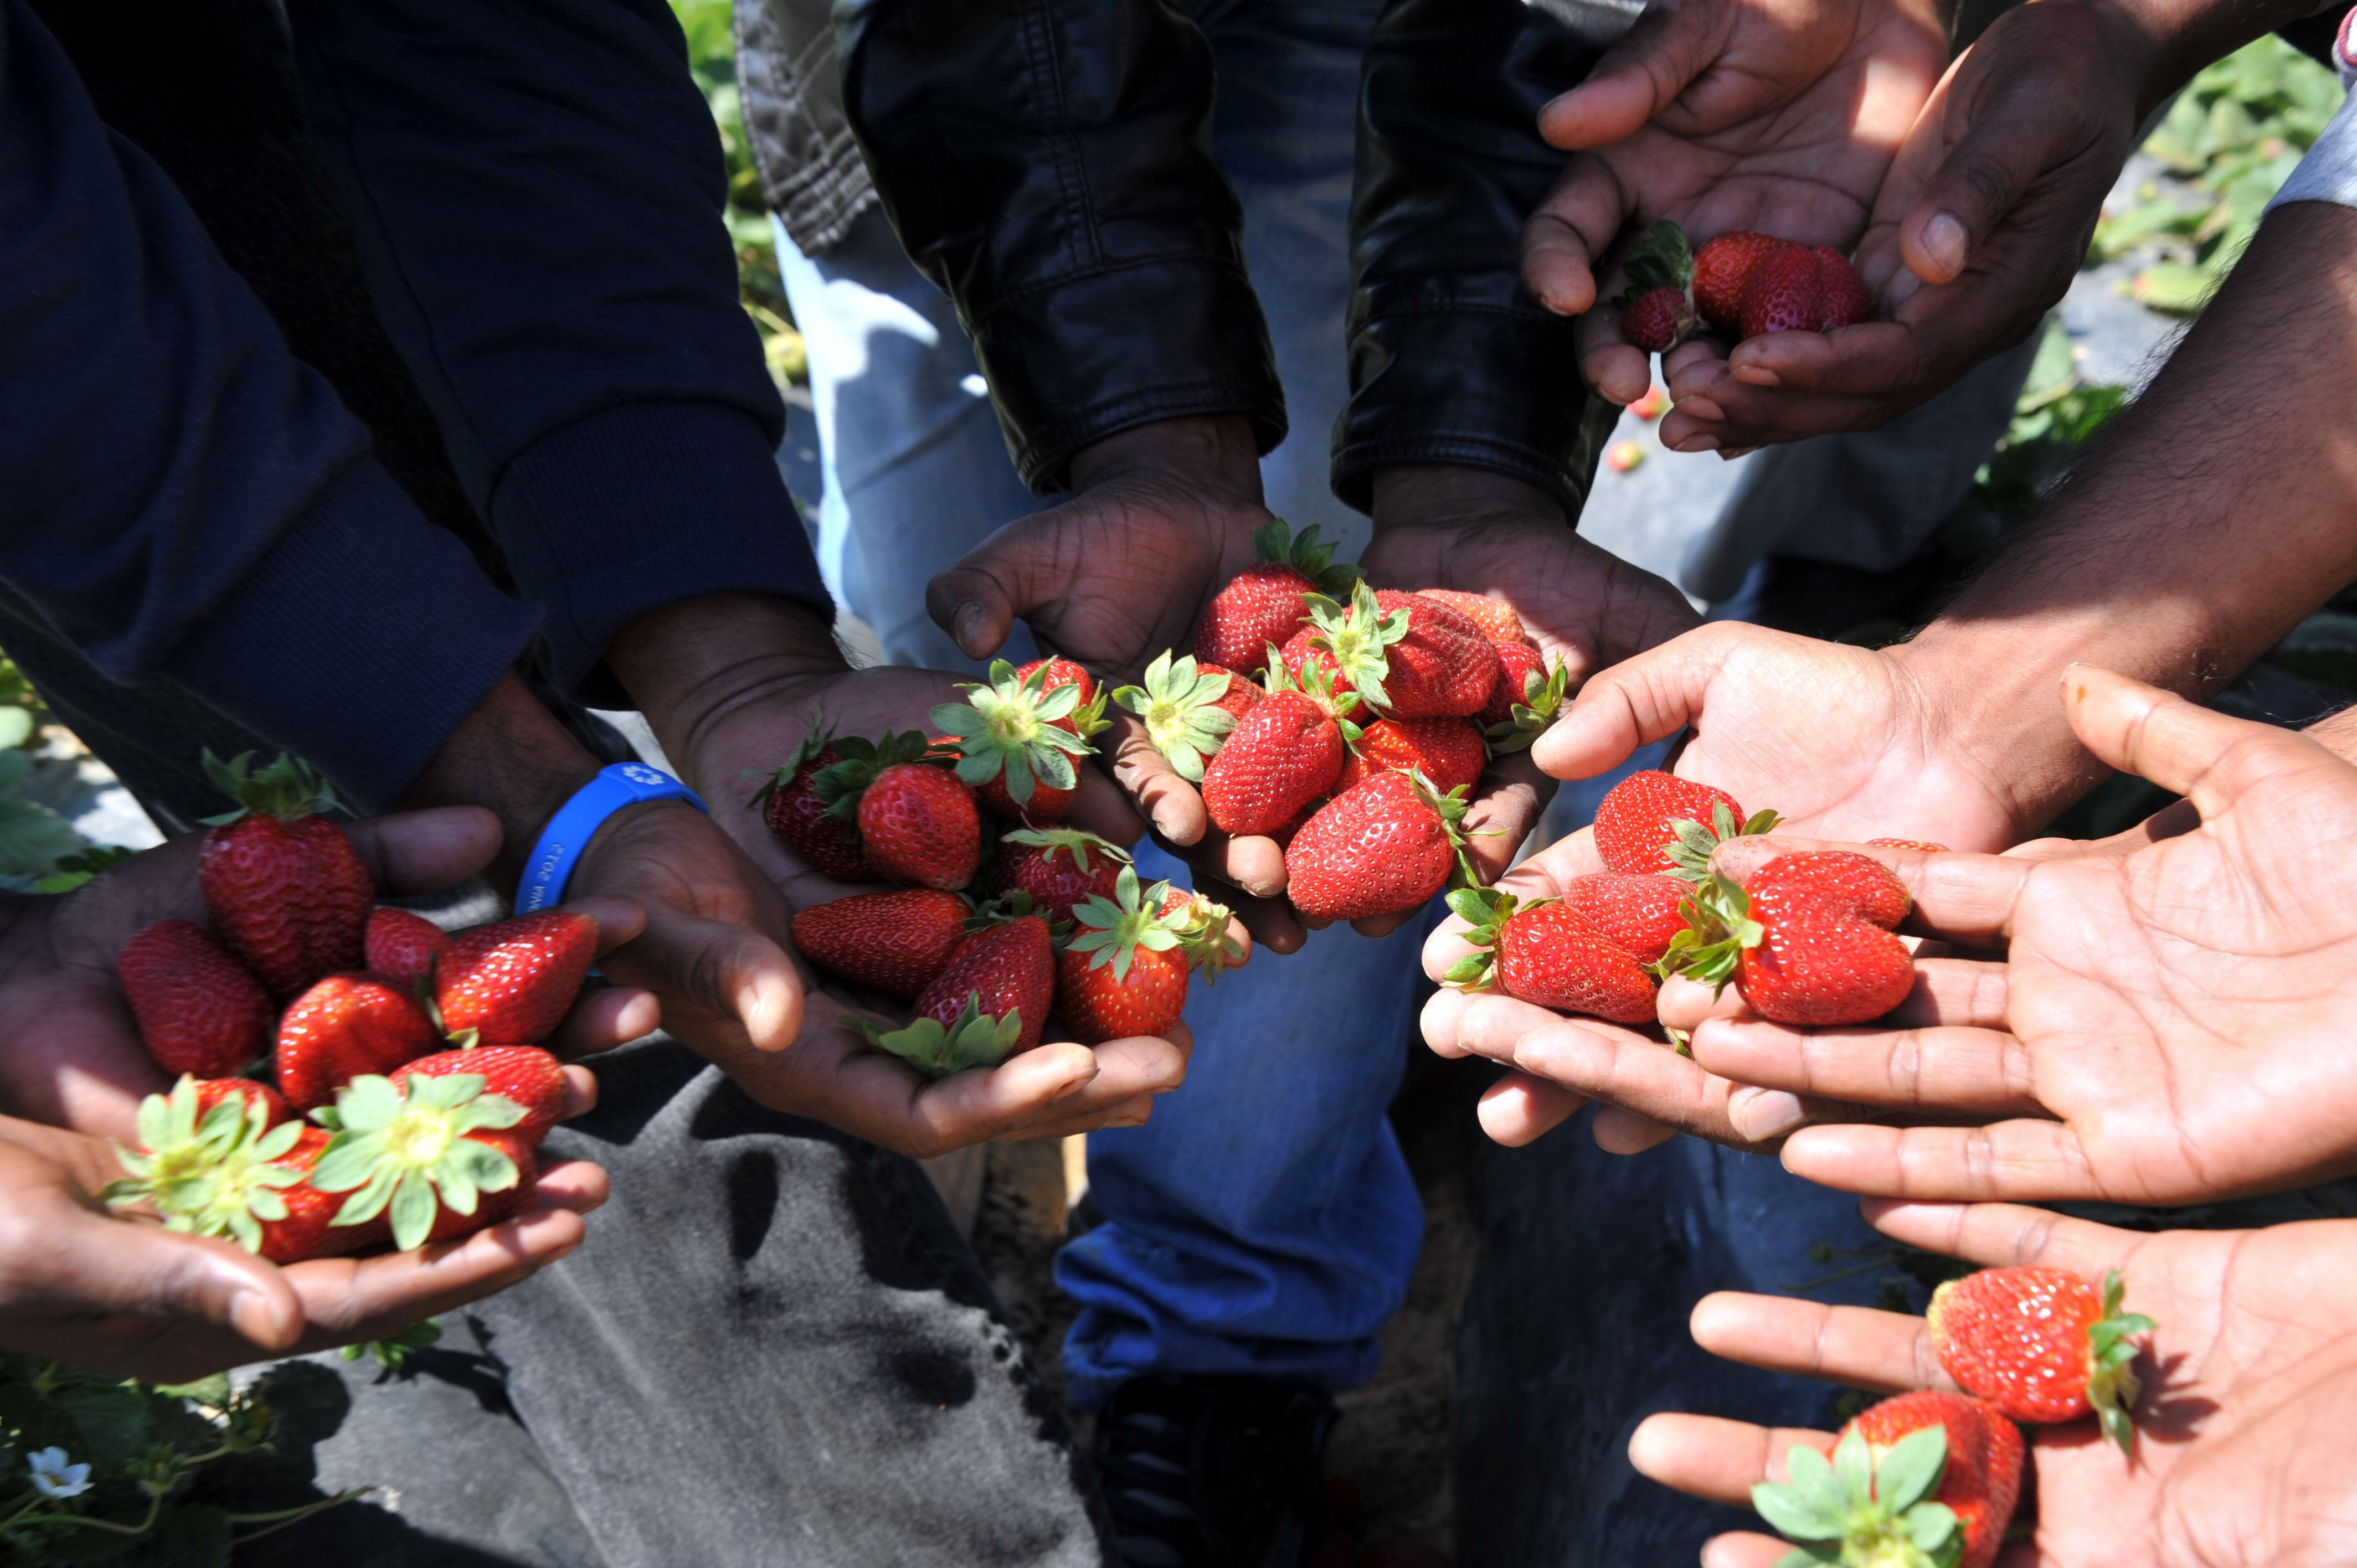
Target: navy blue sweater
[537, 187]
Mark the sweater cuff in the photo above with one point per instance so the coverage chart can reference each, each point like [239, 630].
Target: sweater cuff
[357, 641]
[638, 506]
[1073, 362]
[1476, 375]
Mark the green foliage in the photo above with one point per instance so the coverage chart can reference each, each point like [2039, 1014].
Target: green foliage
[2057, 414]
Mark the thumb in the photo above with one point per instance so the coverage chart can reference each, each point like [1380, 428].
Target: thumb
[1639, 77]
[713, 972]
[2007, 144]
[2186, 749]
[103, 1266]
[1634, 703]
[977, 597]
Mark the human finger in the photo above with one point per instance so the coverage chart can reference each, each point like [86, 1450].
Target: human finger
[1855, 1346]
[1710, 1457]
[411, 853]
[2021, 1160]
[1635, 703]
[2001, 1235]
[1943, 1070]
[1520, 1109]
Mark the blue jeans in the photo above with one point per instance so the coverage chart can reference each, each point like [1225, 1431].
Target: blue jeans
[1264, 1221]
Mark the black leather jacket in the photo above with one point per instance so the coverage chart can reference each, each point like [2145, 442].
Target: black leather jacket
[1049, 163]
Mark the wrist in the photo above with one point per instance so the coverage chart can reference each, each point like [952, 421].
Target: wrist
[687, 662]
[1408, 495]
[2159, 45]
[1214, 452]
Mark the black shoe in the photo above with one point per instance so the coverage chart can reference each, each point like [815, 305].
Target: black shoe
[1214, 1472]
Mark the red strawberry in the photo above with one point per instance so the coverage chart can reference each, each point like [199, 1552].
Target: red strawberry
[1802, 289]
[1189, 710]
[894, 941]
[1449, 751]
[1016, 737]
[212, 1091]
[1283, 754]
[435, 1155]
[1807, 939]
[1087, 717]
[1548, 953]
[806, 821]
[1387, 845]
[1916, 1455]
[1723, 266]
[1261, 606]
[1124, 973]
[513, 981]
[281, 882]
[402, 946]
[1643, 914]
[1494, 615]
[1657, 319]
[920, 827]
[1528, 695]
[1406, 657]
[2041, 1345]
[1056, 867]
[525, 1074]
[1202, 928]
[200, 1010]
[990, 1003]
[1656, 821]
[346, 1025]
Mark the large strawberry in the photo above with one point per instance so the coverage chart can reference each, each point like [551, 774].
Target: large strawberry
[1528, 695]
[525, 1074]
[1056, 867]
[806, 821]
[1643, 914]
[200, 1010]
[1496, 617]
[1406, 656]
[1189, 710]
[894, 941]
[1449, 752]
[1261, 606]
[1807, 937]
[281, 882]
[1547, 952]
[435, 1155]
[1125, 970]
[1656, 821]
[1925, 1481]
[1283, 755]
[346, 1025]
[512, 983]
[1387, 845]
[1087, 718]
[1019, 734]
[404, 946]
[1802, 288]
[1723, 265]
[918, 822]
[991, 1002]
[2041, 1345]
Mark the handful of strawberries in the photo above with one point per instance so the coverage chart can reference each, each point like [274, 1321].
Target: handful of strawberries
[414, 1053]
[1743, 284]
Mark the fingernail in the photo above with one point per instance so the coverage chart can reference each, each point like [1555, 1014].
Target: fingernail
[1768, 1113]
[968, 622]
[1943, 241]
[1701, 408]
[1758, 376]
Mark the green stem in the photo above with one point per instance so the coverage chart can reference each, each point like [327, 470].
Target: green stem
[286, 1517]
[154, 1508]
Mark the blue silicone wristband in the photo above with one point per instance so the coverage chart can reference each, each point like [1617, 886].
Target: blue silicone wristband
[578, 822]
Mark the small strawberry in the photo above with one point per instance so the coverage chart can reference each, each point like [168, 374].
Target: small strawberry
[1807, 937]
[806, 821]
[200, 1010]
[1528, 695]
[1389, 844]
[1656, 821]
[525, 1074]
[1014, 732]
[1643, 914]
[894, 941]
[1925, 1481]
[1407, 656]
[2041, 1345]
[1723, 264]
[435, 1155]
[1652, 405]
[1655, 312]
[1494, 615]
[281, 882]
[402, 946]
[1056, 867]
[1202, 928]
[512, 983]
[990, 1003]
[1189, 710]
[1123, 972]
[1450, 752]
[1656, 320]
[212, 1091]
[1261, 606]
[346, 1025]
[1547, 953]
[1624, 456]
[1802, 288]
[1286, 752]
[1087, 718]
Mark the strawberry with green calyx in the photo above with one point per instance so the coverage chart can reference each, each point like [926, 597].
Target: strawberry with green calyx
[894, 941]
[1528, 698]
[991, 1002]
[1283, 755]
[1643, 914]
[1656, 312]
[1655, 822]
[1547, 953]
[346, 1025]
[1056, 867]
[2041, 1345]
[1087, 718]
[1925, 1481]
[402, 946]
[282, 884]
[1261, 607]
[1450, 752]
[1182, 706]
[1351, 645]
[1408, 656]
[1123, 972]
[918, 822]
[805, 821]
[245, 1091]
[1809, 938]
[418, 1151]
[1011, 730]
[511, 982]
[1387, 845]
[200, 1010]
[1203, 937]
[527, 1075]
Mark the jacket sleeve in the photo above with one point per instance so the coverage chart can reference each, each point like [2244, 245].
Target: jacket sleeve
[1452, 359]
[179, 496]
[1048, 163]
[537, 190]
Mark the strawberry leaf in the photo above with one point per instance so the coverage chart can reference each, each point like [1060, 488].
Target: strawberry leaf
[1910, 1471]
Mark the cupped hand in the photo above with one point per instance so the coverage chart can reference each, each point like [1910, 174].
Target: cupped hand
[2249, 1400]
[1779, 115]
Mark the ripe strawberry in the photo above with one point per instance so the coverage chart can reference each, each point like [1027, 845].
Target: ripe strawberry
[1656, 821]
[1020, 733]
[1656, 320]
[806, 821]
[402, 946]
[212, 1091]
[991, 1002]
[894, 941]
[2041, 1345]
[1548, 953]
[1494, 615]
[426, 1153]
[1056, 867]
[1803, 289]
[1938, 1472]
[281, 882]
[1643, 914]
[1189, 710]
[200, 1010]
[1087, 718]
[1261, 606]
[1926, 845]
[1202, 928]
[512, 983]
[525, 1074]
[1387, 845]
[1407, 656]
[1723, 266]
[1654, 310]
[918, 822]
[1807, 939]
[1528, 697]
[1449, 751]
[1123, 972]
[1652, 405]
[346, 1025]
[1283, 754]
